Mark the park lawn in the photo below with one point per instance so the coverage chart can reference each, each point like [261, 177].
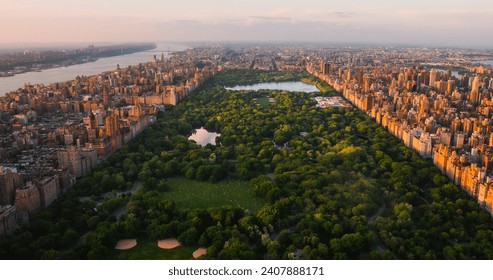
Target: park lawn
[263, 101]
[148, 250]
[193, 194]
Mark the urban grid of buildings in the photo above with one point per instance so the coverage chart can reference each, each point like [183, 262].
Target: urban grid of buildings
[438, 101]
[50, 135]
[443, 115]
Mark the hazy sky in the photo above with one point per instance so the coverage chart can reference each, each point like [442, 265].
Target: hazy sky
[420, 22]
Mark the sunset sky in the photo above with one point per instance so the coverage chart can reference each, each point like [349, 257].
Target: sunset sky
[419, 22]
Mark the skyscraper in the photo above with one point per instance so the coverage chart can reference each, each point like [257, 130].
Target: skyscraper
[433, 77]
[106, 97]
[450, 86]
[324, 68]
[475, 84]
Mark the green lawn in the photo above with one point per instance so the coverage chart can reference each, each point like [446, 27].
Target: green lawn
[195, 194]
[263, 101]
[148, 250]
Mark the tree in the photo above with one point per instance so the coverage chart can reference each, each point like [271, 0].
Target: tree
[235, 249]
[262, 185]
[190, 236]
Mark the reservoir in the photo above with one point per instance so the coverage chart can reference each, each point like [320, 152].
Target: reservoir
[287, 86]
[204, 137]
[61, 74]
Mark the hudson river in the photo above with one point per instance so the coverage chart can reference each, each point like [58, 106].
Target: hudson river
[61, 74]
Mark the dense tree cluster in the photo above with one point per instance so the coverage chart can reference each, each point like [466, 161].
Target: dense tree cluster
[336, 186]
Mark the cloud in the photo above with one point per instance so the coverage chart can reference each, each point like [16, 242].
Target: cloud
[269, 18]
[256, 20]
[342, 14]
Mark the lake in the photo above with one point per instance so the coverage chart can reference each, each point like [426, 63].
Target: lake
[204, 137]
[287, 86]
[62, 74]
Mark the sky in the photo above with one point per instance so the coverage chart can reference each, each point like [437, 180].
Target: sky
[415, 22]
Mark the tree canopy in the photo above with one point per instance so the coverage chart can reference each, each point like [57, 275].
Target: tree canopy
[336, 186]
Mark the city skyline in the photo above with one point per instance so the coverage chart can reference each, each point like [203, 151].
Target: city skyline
[291, 176]
[422, 23]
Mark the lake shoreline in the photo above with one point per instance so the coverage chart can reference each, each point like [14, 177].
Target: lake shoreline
[287, 86]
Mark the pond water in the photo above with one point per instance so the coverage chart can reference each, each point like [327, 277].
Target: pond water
[287, 86]
[204, 137]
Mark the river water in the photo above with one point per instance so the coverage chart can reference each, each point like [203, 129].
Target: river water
[61, 74]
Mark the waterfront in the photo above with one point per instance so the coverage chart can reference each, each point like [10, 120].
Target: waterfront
[61, 74]
[287, 86]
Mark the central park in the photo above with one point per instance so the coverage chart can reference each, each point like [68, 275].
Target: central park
[284, 180]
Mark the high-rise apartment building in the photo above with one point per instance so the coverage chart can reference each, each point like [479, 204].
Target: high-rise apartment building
[433, 77]
[325, 68]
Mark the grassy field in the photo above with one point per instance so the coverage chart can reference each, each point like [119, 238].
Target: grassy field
[263, 101]
[148, 250]
[195, 194]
